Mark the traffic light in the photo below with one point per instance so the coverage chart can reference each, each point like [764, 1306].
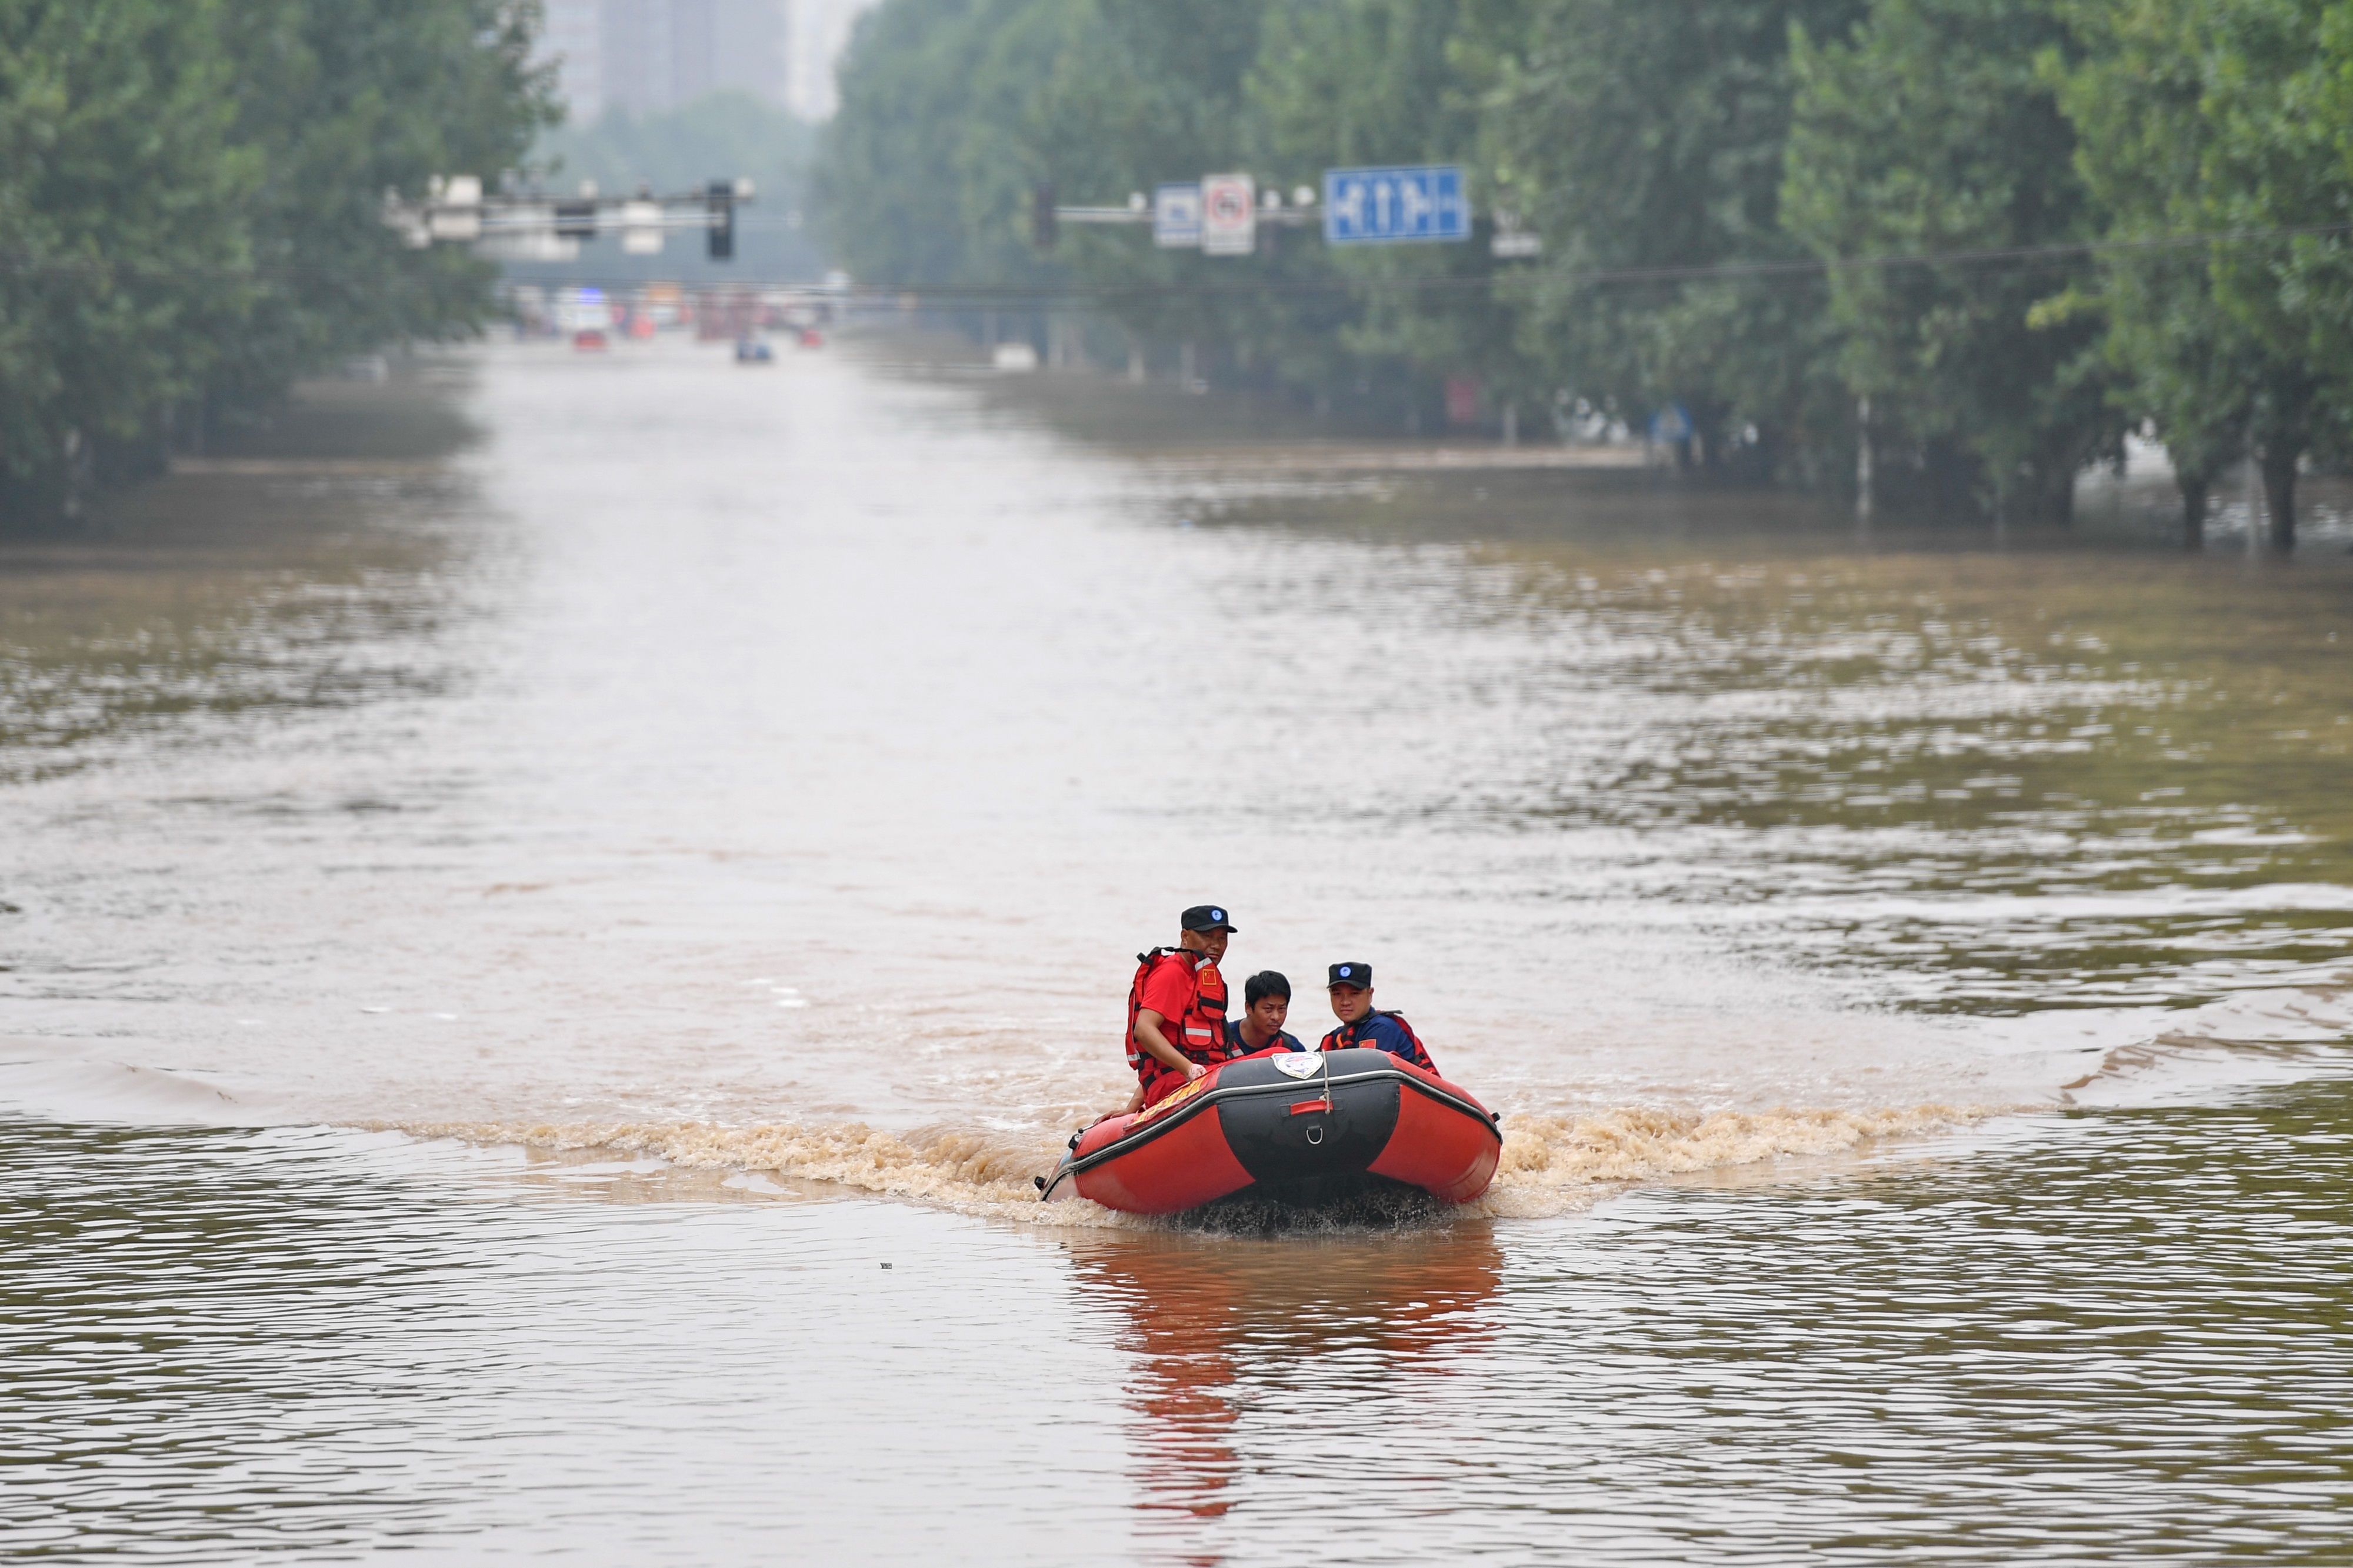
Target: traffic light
[720, 194]
[1044, 229]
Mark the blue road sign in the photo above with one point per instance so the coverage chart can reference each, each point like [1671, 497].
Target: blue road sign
[1177, 216]
[1394, 206]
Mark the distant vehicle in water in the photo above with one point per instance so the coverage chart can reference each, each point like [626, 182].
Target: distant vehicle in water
[589, 341]
[811, 337]
[752, 350]
[583, 310]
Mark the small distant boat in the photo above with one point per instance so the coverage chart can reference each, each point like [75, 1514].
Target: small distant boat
[752, 350]
[1295, 1127]
[589, 340]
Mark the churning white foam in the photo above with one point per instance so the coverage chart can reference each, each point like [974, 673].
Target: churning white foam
[1550, 1165]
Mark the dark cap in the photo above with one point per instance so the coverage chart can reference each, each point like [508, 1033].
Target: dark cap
[1208, 916]
[1359, 976]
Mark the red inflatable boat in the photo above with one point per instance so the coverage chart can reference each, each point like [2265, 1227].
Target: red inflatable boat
[1298, 1127]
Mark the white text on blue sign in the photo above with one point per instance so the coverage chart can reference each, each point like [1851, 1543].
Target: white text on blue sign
[1420, 204]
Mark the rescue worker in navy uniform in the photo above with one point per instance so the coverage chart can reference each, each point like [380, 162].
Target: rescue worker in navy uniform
[1266, 1002]
[1176, 1008]
[1351, 990]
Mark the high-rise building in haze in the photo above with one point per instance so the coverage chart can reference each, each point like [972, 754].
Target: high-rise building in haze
[820, 32]
[573, 38]
[647, 56]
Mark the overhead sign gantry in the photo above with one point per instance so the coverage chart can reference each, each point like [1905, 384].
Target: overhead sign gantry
[537, 227]
[1220, 214]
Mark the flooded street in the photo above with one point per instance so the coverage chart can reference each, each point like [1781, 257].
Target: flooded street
[545, 933]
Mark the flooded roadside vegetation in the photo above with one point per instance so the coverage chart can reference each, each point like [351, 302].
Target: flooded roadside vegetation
[1909, 970]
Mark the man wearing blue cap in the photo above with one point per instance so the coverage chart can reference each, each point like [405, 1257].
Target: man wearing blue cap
[1351, 990]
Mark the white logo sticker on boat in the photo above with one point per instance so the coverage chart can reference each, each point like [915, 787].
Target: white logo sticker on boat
[1298, 1064]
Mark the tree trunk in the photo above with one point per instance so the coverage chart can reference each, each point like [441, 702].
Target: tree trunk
[1866, 497]
[2193, 511]
[2061, 502]
[80, 470]
[2279, 495]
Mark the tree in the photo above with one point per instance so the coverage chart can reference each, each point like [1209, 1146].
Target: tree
[1928, 129]
[341, 100]
[891, 177]
[2219, 118]
[1374, 83]
[1148, 92]
[1651, 134]
[2208, 371]
[122, 198]
[191, 194]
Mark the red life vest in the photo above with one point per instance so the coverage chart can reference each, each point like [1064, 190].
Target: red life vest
[1199, 1031]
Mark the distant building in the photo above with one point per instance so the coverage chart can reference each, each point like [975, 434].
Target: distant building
[649, 56]
[820, 32]
[573, 38]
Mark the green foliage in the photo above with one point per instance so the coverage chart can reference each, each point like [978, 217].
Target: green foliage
[1653, 136]
[1123, 94]
[1385, 81]
[190, 193]
[122, 193]
[1721, 187]
[341, 100]
[1930, 130]
[2216, 117]
[891, 184]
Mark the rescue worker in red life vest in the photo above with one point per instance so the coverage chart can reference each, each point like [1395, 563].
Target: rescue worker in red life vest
[1176, 1008]
[1351, 991]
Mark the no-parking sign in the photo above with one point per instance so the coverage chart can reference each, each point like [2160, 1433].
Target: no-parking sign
[1228, 215]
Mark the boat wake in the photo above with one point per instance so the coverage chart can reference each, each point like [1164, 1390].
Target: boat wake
[1552, 1161]
[1550, 1166]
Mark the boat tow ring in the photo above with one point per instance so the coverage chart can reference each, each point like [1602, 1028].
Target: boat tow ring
[1304, 1065]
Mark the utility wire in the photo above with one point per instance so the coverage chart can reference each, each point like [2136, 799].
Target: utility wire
[1793, 267]
[1595, 278]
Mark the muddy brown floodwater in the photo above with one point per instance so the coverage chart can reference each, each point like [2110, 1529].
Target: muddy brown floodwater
[552, 908]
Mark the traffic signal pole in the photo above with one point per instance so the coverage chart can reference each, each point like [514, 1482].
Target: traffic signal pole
[456, 211]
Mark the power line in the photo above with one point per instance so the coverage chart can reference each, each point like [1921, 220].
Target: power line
[1799, 267]
[1599, 276]
[920, 295]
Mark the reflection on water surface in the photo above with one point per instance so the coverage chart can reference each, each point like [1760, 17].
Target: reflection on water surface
[316, 576]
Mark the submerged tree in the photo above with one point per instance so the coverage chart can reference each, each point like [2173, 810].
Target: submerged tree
[1359, 82]
[2204, 136]
[123, 204]
[1649, 137]
[1769, 212]
[190, 193]
[1929, 132]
